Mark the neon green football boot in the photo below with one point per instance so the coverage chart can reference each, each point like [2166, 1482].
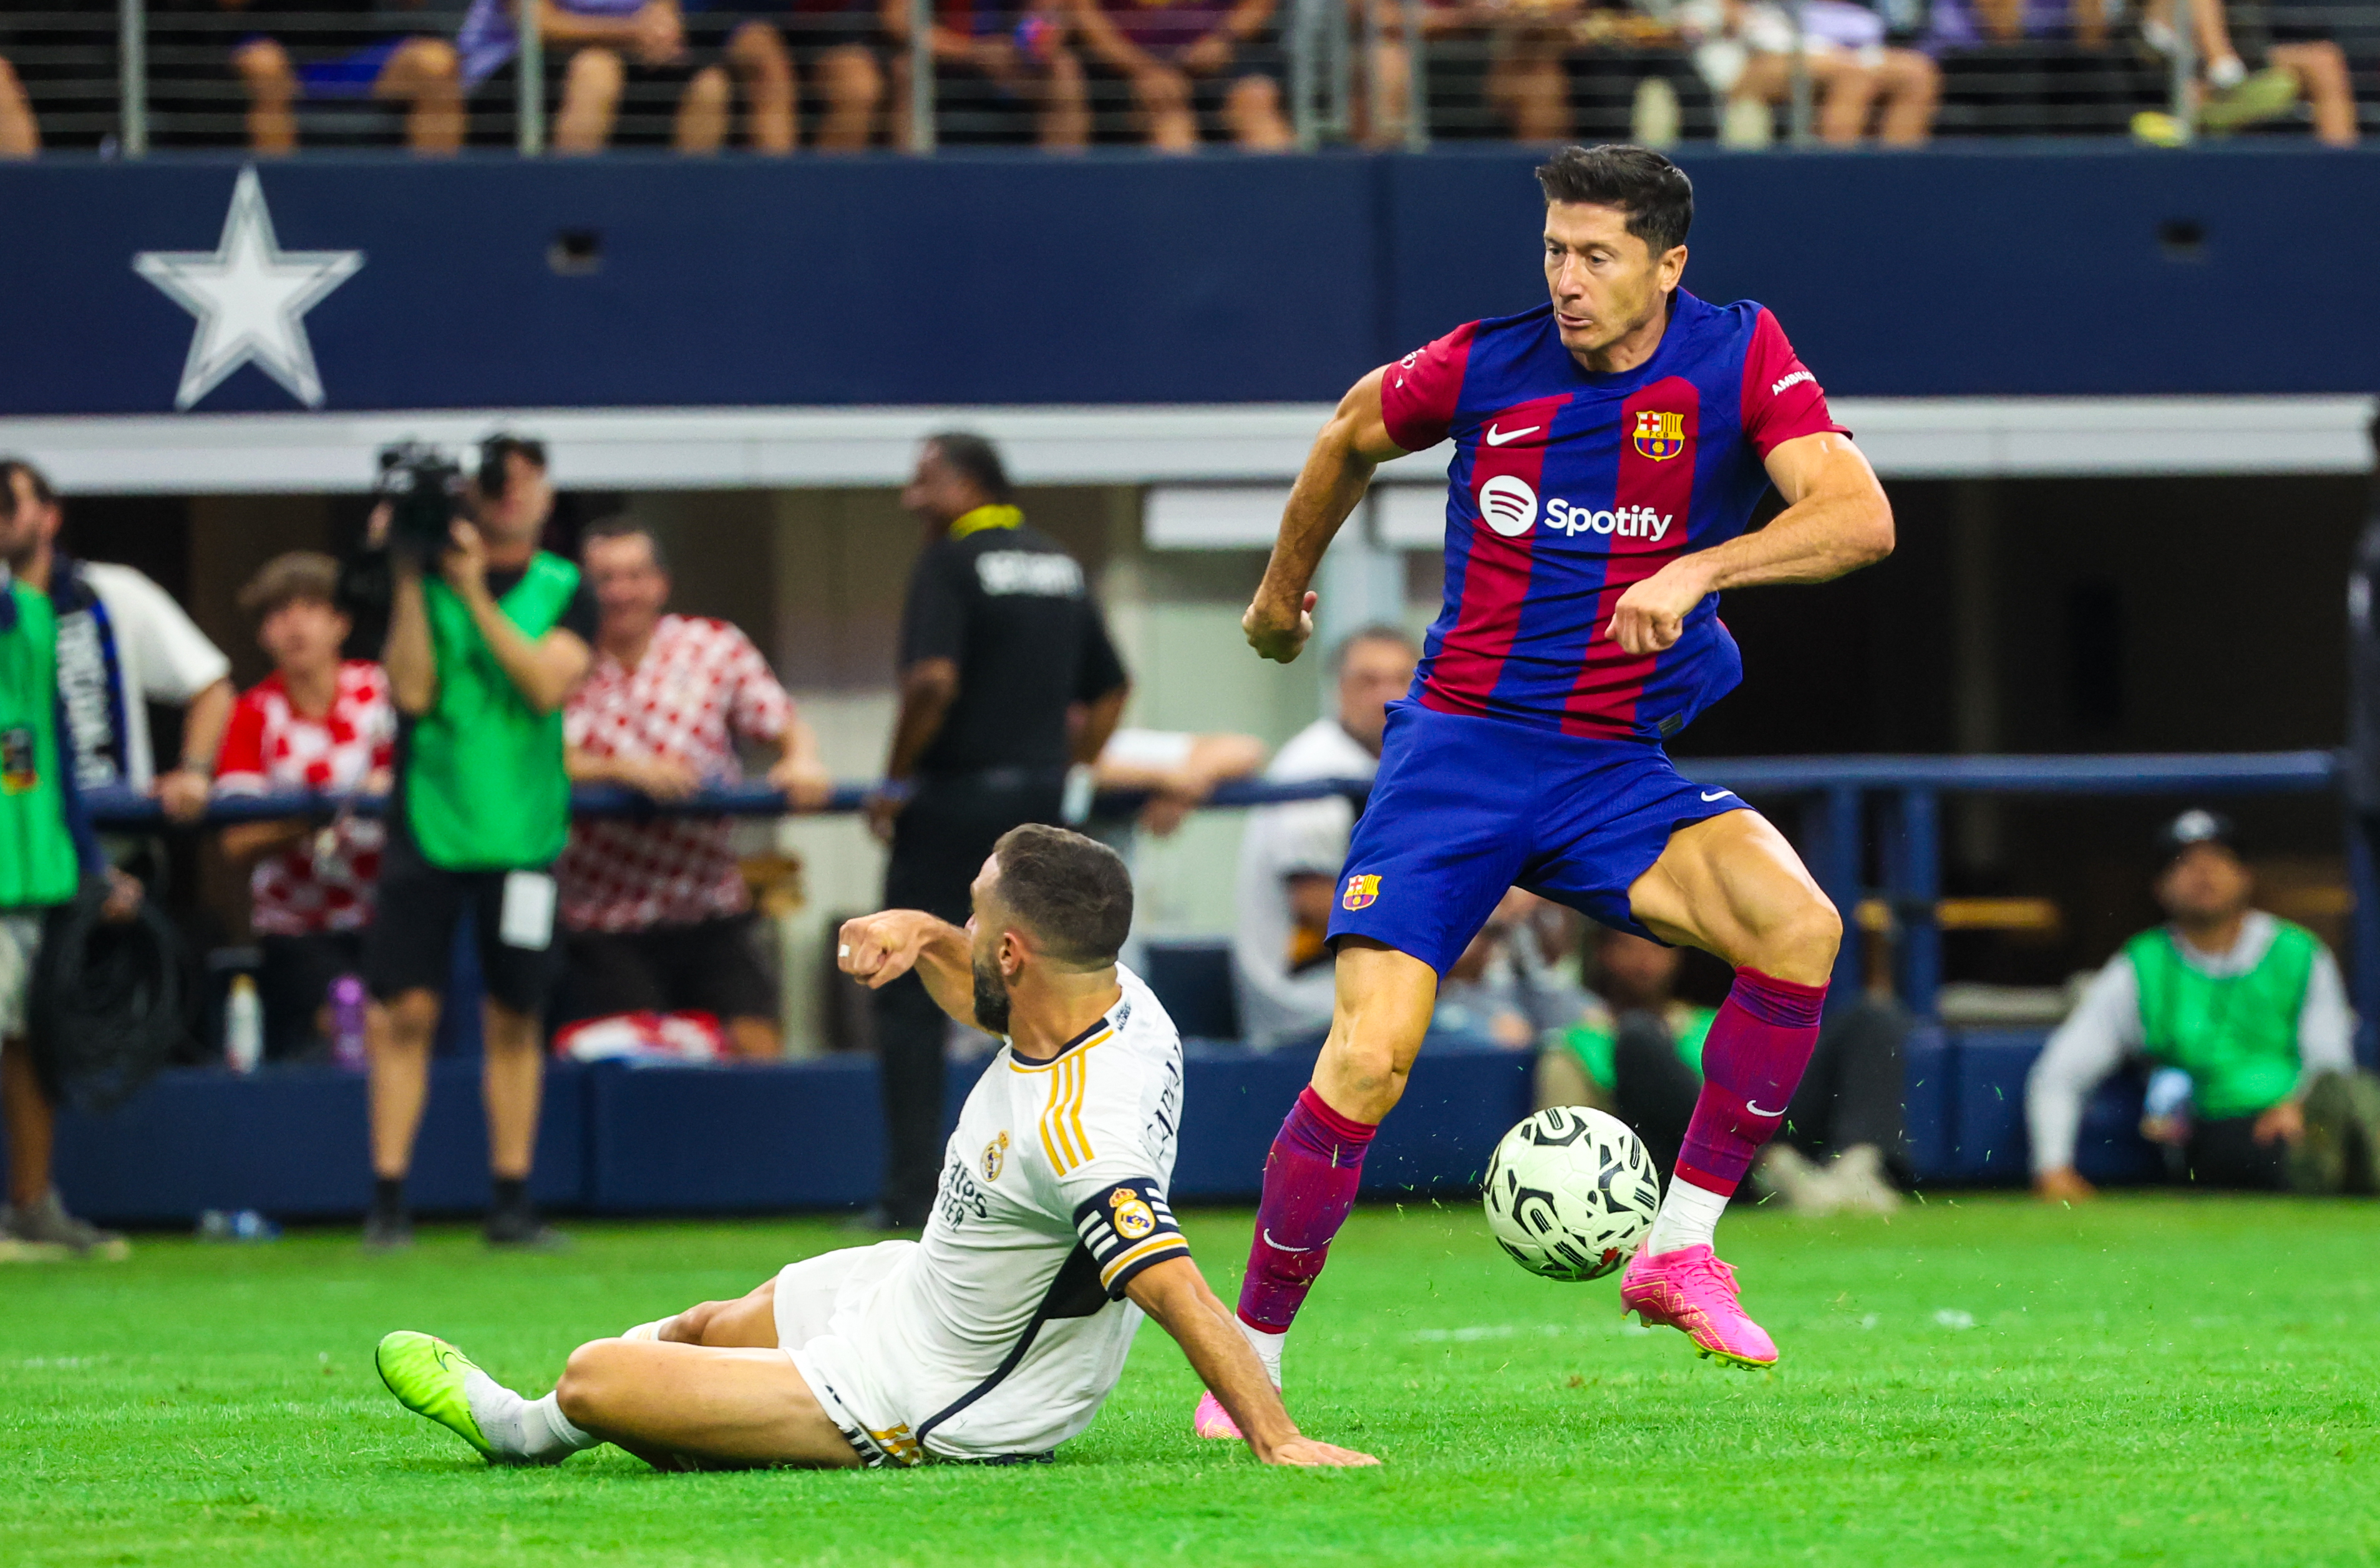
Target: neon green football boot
[426, 1375]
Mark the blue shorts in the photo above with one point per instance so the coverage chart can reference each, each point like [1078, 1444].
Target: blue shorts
[1465, 808]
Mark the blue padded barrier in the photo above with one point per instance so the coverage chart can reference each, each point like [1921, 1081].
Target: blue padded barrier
[621, 1140]
[291, 1142]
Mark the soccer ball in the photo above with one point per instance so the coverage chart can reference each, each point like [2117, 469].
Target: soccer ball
[1570, 1193]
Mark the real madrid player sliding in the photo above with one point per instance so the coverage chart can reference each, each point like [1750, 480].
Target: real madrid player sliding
[1609, 448]
[999, 1335]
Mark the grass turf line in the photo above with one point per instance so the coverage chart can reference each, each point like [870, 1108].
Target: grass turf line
[2143, 1379]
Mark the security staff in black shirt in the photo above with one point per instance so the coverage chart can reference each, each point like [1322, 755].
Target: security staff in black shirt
[1007, 677]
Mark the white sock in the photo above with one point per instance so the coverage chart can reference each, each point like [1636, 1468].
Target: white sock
[535, 1429]
[651, 1331]
[1268, 1346]
[1689, 1215]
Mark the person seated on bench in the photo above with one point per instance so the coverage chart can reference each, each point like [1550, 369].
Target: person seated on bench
[2249, 1005]
[1638, 1053]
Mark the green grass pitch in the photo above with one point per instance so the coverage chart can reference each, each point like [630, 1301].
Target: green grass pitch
[1981, 1381]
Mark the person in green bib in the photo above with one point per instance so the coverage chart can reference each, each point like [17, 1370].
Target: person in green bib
[481, 657]
[1637, 1052]
[47, 848]
[2249, 1005]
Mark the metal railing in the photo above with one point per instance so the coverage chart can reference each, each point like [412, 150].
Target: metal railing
[1376, 73]
[1856, 851]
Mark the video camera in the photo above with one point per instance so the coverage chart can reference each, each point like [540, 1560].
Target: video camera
[424, 492]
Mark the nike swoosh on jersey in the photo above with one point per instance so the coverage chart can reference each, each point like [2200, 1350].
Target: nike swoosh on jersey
[1498, 437]
[1717, 795]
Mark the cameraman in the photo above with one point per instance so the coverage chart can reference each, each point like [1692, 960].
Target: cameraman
[488, 636]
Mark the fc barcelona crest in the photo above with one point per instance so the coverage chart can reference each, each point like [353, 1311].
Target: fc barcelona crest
[1361, 891]
[1660, 436]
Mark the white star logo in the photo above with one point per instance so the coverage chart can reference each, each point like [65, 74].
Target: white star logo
[250, 298]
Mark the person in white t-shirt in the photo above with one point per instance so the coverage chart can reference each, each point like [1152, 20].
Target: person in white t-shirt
[1000, 1333]
[122, 643]
[1289, 854]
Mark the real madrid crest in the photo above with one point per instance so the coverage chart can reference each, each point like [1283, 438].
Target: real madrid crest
[995, 1155]
[1132, 1218]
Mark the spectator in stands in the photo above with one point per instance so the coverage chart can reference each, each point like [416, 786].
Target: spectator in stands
[1023, 59]
[1639, 1055]
[1525, 52]
[2247, 1004]
[21, 133]
[481, 657]
[1747, 52]
[1007, 677]
[656, 915]
[322, 723]
[122, 643]
[602, 48]
[832, 43]
[2293, 61]
[1290, 855]
[1177, 770]
[1507, 987]
[345, 50]
[51, 848]
[1191, 59]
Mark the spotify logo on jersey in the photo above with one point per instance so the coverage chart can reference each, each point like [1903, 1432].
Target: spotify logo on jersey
[1509, 504]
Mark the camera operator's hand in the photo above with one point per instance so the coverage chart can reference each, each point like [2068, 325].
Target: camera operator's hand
[376, 526]
[465, 565]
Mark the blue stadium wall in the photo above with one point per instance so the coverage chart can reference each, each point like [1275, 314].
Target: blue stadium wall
[2101, 271]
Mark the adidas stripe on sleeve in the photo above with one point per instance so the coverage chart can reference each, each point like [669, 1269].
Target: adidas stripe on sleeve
[1126, 1228]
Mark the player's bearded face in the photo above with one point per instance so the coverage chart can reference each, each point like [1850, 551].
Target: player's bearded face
[1605, 281]
[990, 993]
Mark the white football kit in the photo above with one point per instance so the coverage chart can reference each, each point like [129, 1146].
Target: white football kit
[999, 1335]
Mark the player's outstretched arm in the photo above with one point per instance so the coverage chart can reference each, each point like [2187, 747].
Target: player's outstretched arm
[1175, 1294]
[879, 948]
[1836, 520]
[1338, 470]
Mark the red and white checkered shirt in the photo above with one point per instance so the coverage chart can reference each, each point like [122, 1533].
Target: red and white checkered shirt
[316, 883]
[700, 686]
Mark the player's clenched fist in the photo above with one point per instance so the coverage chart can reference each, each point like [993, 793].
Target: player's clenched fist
[881, 948]
[1651, 616]
[1275, 634]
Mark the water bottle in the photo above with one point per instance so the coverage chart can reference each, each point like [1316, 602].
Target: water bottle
[243, 1025]
[348, 1006]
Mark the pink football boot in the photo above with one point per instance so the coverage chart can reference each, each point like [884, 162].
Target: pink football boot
[1212, 1420]
[1692, 1290]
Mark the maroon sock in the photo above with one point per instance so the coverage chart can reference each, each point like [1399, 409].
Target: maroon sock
[1753, 1061]
[1310, 1184]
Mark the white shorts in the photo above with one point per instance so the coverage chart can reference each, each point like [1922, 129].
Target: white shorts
[817, 1300]
[21, 945]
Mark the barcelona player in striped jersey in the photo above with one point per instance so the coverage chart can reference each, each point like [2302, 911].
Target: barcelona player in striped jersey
[1610, 447]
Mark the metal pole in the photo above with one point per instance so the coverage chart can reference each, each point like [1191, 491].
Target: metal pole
[2185, 67]
[2363, 936]
[530, 109]
[1376, 93]
[1342, 68]
[1800, 117]
[1416, 81]
[1301, 72]
[1919, 875]
[132, 51]
[922, 76]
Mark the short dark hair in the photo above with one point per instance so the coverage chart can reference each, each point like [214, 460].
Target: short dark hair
[299, 574]
[977, 460]
[10, 468]
[1654, 192]
[1071, 892]
[623, 528]
[1378, 632]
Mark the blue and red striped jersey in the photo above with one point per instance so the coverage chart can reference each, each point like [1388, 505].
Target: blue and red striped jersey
[1567, 487]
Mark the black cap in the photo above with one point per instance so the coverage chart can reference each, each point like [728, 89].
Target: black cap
[2197, 826]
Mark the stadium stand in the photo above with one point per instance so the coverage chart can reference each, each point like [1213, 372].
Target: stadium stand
[842, 74]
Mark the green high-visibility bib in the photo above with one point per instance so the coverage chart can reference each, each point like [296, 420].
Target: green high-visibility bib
[38, 867]
[484, 784]
[2235, 1035]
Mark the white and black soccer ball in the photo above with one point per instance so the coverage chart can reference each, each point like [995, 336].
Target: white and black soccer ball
[1570, 1193]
